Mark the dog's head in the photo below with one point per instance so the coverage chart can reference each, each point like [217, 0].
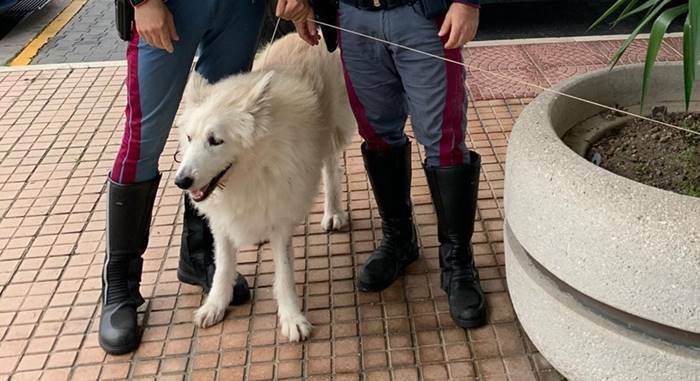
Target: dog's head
[217, 125]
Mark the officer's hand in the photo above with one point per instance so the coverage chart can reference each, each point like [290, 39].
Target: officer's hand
[293, 10]
[155, 24]
[461, 23]
[307, 29]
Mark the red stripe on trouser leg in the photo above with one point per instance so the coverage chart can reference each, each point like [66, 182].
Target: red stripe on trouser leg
[124, 169]
[453, 114]
[374, 141]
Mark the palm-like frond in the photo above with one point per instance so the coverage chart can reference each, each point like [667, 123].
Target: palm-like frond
[660, 14]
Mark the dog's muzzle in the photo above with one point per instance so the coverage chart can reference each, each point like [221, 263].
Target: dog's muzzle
[201, 194]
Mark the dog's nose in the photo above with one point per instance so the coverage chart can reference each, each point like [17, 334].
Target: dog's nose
[184, 182]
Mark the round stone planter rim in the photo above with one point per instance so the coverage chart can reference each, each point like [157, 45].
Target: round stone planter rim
[655, 231]
[549, 99]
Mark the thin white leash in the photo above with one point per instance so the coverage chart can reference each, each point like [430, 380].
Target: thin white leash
[508, 78]
[272, 39]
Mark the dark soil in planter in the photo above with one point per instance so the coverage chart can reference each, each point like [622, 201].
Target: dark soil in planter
[652, 154]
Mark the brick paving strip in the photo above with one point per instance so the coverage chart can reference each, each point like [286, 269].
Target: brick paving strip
[60, 127]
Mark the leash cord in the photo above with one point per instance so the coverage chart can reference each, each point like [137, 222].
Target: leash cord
[272, 39]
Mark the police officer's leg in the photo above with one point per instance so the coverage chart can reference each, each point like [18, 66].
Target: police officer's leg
[227, 47]
[437, 102]
[155, 81]
[377, 100]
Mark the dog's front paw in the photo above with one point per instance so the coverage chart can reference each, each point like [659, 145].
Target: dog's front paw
[334, 221]
[295, 327]
[209, 314]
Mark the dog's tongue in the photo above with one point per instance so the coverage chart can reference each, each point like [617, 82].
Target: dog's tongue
[197, 194]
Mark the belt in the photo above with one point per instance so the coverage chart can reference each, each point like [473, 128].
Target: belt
[377, 5]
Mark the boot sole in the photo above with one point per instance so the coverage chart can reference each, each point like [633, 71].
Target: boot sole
[374, 288]
[120, 350]
[472, 323]
[363, 287]
[191, 280]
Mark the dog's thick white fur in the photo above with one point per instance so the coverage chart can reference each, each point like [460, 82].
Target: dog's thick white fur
[277, 129]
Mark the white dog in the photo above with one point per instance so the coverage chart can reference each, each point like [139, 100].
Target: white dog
[254, 148]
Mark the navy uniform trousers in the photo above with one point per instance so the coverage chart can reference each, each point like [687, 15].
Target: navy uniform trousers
[386, 84]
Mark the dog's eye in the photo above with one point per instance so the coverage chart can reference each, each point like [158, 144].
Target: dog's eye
[189, 138]
[214, 141]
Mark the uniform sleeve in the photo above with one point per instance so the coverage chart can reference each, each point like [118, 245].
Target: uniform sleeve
[471, 3]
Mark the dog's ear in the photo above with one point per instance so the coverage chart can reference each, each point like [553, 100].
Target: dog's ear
[197, 89]
[258, 97]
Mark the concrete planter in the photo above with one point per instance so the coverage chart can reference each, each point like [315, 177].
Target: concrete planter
[604, 272]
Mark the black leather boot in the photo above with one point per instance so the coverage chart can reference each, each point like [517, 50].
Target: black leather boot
[196, 266]
[390, 175]
[454, 191]
[129, 209]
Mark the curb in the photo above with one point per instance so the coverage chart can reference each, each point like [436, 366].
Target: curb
[554, 40]
[67, 65]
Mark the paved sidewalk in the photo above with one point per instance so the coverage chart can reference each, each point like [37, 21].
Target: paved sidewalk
[90, 36]
[31, 26]
[60, 129]
[545, 64]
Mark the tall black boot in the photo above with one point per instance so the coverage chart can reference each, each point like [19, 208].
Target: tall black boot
[390, 175]
[129, 209]
[454, 191]
[196, 266]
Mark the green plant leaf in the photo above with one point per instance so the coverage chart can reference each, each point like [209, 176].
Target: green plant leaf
[649, 5]
[694, 10]
[648, 12]
[656, 37]
[629, 6]
[636, 31]
[689, 60]
[610, 11]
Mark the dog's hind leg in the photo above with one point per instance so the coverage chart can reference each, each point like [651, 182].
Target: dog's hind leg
[293, 323]
[334, 217]
[221, 292]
